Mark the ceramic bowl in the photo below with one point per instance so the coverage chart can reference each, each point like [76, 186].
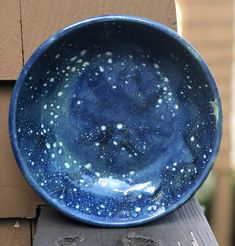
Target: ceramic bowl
[115, 120]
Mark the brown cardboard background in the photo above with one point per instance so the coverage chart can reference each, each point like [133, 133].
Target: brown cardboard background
[15, 232]
[10, 40]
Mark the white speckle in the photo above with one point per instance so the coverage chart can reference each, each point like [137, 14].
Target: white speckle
[119, 126]
[60, 93]
[57, 56]
[79, 102]
[73, 58]
[101, 69]
[74, 161]
[173, 169]
[126, 82]
[85, 64]
[51, 113]
[68, 67]
[115, 142]
[66, 164]
[60, 144]
[114, 86]
[103, 128]
[137, 209]
[79, 61]
[83, 52]
[56, 116]
[182, 170]
[42, 126]
[156, 65]
[97, 174]
[73, 69]
[53, 155]
[51, 122]
[102, 206]
[176, 106]
[42, 184]
[166, 79]
[131, 172]
[210, 150]
[175, 164]
[139, 196]
[97, 144]
[170, 93]
[48, 145]
[189, 87]
[52, 79]
[165, 88]
[110, 61]
[45, 84]
[77, 206]
[204, 156]
[58, 106]
[74, 189]
[159, 100]
[88, 166]
[192, 138]
[108, 53]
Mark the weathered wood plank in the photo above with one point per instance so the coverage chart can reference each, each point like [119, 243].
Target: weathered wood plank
[10, 40]
[185, 226]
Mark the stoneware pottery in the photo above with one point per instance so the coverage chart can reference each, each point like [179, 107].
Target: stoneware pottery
[115, 120]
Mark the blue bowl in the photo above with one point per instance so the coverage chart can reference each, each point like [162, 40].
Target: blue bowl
[115, 121]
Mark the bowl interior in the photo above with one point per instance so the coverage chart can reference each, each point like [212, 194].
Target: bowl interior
[116, 121]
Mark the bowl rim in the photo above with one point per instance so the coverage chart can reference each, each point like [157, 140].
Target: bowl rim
[53, 38]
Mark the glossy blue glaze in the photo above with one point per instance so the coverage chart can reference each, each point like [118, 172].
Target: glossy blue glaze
[115, 120]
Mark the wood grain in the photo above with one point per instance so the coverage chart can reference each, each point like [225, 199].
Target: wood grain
[15, 232]
[42, 18]
[185, 226]
[10, 40]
